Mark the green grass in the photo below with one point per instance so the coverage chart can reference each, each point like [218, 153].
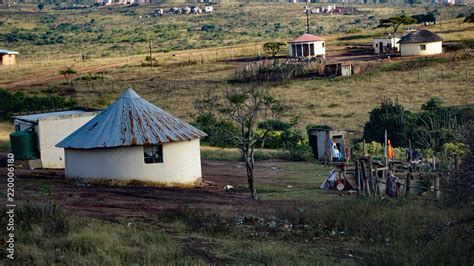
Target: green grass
[298, 181]
[47, 236]
[233, 154]
[5, 130]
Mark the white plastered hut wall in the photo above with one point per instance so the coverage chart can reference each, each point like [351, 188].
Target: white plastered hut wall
[181, 164]
[51, 130]
[407, 49]
[319, 48]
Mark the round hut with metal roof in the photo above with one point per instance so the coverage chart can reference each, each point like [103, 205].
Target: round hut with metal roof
[133, 139]
[421, 42]
[307, 45]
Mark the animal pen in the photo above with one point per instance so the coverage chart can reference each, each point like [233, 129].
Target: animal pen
[371, 177]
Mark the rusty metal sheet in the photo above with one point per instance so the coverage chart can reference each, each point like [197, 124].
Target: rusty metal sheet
[130, 121]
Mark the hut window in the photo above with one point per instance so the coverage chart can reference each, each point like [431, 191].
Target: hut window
[323, 44]
[423, 47]
[153, 154]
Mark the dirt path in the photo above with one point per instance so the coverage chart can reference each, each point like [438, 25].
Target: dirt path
[109, 202]
[51, 75]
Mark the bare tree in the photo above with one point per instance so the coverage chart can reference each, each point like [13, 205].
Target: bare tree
[244, 107]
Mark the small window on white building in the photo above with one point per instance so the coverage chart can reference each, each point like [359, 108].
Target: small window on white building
[423, 47]
[153, 154]
[323, 44]
[376, 45]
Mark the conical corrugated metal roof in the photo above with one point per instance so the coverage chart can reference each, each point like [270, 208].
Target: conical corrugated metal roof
[130, 121]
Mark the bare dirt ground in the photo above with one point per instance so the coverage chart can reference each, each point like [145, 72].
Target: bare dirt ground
[109, 202]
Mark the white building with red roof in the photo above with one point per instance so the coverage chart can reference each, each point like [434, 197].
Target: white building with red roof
[307, 45]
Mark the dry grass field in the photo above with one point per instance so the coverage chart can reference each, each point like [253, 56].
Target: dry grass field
[181, 73]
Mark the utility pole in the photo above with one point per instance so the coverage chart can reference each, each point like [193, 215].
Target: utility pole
[307, 21]
[307, 17]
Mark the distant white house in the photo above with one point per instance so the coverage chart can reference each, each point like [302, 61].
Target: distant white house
[307, 45]
[49, 128]
[208, 9]
[387, 44]
[421, 42]
[133, 139]
[8, 57]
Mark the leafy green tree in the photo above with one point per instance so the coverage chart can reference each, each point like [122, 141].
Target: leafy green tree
[67, 73]
[396, 21]
[273, 47]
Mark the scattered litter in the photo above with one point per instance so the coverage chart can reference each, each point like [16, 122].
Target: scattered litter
[229, 188]
[274, 168]
[129, 225]
[289, 186]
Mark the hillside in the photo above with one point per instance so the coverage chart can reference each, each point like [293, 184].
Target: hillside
[181, 73]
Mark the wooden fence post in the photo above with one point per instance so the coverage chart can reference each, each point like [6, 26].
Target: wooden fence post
[436, 190]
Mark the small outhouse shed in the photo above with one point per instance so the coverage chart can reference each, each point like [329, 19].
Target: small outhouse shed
[8, 57]
[321, 141]
[133, 139]
[307, 45]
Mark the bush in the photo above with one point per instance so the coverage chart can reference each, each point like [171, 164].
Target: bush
[390, 116]
[18, 102]
[432, 104]
[217, 131]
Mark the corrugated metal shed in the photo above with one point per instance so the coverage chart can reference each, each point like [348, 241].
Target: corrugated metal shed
[130, 121]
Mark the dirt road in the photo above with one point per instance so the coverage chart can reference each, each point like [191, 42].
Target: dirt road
[109, 202]
[52, 75]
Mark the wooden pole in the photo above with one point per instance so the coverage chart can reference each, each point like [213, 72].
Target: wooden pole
[385, 155]
[363, 148]
[365, 180]
[357, 176]
[371, 175]
[436, 191]
[407, 184]
[307, 20]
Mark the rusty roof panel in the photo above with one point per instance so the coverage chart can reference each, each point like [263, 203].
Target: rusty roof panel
[130, 121]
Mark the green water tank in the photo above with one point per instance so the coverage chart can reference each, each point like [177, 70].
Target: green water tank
[23, 144]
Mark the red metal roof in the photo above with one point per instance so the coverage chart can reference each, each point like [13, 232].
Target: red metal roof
[306, 38]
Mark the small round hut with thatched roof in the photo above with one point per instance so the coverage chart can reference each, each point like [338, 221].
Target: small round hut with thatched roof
[133, 139]
[421, 42]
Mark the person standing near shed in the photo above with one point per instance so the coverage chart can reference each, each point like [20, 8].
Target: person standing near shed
[335, 153]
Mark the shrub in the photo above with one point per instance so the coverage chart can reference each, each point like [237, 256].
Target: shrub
[18, 102]
[390, 116]
[432, 104]
[217, 131]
